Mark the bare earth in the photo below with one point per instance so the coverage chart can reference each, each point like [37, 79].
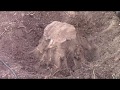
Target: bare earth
[96, 55]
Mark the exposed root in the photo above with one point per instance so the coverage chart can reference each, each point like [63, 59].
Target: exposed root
[9, 69]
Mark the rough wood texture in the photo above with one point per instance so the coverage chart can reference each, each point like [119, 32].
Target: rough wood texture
[57, 33]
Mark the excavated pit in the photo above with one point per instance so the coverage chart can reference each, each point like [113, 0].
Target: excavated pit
[31, 48]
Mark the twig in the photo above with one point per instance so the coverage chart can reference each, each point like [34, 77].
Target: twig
[2, 33]
[55, 72]
[113, 76]
[9, 69]
[94, 74]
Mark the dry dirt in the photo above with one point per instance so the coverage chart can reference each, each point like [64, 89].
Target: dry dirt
[20, 33]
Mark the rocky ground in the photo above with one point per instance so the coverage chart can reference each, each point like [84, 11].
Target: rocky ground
[97, 36]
